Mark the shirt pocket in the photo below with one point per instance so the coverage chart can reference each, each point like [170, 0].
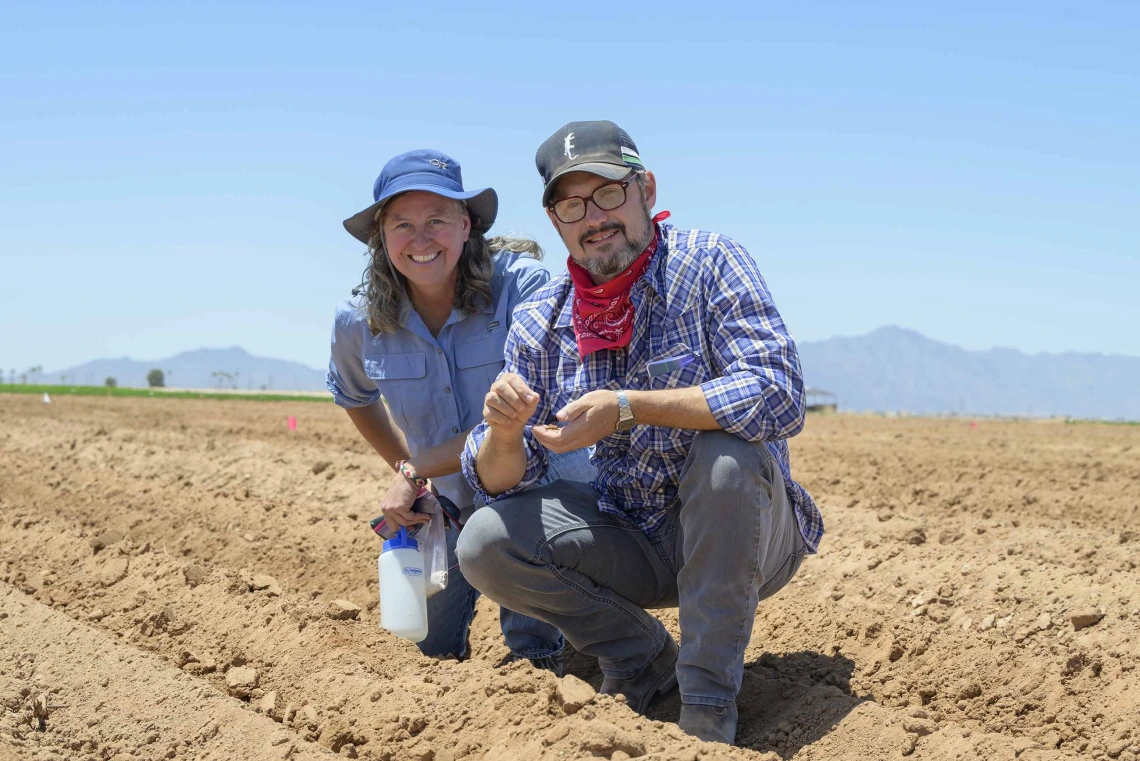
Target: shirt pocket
[692, 374]
[477, 365]
[400, 378]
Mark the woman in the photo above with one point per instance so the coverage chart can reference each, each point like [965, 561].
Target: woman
[426, 332]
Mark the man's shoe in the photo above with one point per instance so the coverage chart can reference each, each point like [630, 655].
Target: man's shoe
[709, 723]
[554, 663]
[657, 678]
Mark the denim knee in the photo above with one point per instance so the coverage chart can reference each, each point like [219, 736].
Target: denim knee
[482, 548]
[729, 472]
[727, 461]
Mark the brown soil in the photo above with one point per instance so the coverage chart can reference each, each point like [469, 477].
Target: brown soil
[977, 596]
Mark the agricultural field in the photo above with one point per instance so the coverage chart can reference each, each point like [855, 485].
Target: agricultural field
[187, 578]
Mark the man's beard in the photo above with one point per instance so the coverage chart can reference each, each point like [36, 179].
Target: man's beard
[605, 267]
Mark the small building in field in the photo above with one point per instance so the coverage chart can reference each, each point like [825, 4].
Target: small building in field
[819, 400]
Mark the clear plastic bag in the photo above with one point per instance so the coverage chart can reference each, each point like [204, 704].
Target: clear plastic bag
[432, 539]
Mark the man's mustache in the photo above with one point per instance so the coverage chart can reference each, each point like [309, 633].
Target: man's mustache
[599, 230]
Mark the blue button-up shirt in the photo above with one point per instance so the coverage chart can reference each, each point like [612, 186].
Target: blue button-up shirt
[434, 386]
[701, 295]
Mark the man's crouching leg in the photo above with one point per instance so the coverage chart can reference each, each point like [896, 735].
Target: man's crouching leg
[741, 543]
[549, 553]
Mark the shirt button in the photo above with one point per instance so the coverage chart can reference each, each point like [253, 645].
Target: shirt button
[438, 351]
[447, 389]
[454, 429]
[660, 490]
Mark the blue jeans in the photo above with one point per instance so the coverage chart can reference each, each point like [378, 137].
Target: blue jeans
[450, 611]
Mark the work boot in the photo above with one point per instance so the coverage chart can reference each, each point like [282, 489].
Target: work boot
[657, 678]
[554, 663]
[709, 723]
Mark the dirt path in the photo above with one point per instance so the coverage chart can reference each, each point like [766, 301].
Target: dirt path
[937, 621]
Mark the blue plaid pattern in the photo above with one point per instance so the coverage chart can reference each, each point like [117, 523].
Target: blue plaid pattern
[702, 295]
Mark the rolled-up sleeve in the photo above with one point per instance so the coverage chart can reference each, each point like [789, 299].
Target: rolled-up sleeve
[346, 380]
[759, 395]
[517, 360]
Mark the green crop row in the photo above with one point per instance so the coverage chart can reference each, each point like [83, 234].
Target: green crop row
[18, 388]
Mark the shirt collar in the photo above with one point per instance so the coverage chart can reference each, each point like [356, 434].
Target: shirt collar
[406, 311]
[565, 316]
[654, 276]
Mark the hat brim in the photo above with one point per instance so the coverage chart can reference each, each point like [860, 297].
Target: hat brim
[600, 168]
[482, 205]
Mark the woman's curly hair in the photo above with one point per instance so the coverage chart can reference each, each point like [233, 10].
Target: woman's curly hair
[384, 289]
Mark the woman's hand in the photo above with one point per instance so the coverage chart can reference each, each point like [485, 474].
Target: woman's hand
[397, 504]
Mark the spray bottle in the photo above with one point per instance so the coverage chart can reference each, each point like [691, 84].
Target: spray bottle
[403, 602]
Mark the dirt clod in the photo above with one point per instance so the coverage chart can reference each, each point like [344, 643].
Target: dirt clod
[271, 705]
[113, 571]
[262, 581]
[1082, 619]
[240, 680]
[915, 536]
[343, 610]
[106, 539]
[195, 574]
[572, 693]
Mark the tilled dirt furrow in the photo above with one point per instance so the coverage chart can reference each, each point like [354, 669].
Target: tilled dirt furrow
[330, 678]
[975, 597]
[173, 486]
[341, 683]
[68, 687]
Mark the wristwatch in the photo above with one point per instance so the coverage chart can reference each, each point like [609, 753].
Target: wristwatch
[625, 413]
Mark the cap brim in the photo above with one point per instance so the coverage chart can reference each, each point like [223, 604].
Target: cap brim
[600, 168]
[482, 205]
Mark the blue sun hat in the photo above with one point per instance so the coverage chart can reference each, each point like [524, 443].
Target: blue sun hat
[428, 170]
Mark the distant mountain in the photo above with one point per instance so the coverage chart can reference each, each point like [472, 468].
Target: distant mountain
[203, 368]
[898, 370]
[889, 370]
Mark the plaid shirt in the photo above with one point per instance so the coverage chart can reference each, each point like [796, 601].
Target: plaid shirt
[702, 294]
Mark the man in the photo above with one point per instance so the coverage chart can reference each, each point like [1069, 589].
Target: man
[662, 347]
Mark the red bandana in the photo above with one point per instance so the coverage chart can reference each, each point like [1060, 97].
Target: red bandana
[603, 314]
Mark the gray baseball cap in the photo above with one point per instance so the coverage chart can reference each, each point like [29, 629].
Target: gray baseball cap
[600, 148]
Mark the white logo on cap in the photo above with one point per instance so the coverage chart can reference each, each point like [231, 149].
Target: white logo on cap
[438, 163]
[569, 143]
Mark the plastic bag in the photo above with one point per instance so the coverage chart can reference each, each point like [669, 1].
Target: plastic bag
[431, 538]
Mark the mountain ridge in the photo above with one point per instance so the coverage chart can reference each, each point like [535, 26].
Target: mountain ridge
[893, 369]
[890, 369]
[228, 367]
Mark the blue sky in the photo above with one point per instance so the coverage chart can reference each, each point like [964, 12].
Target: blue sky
[174, 175]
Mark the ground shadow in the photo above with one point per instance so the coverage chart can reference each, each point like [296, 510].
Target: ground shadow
[786, 701]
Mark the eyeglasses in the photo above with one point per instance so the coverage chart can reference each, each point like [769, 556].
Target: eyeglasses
[607, 198]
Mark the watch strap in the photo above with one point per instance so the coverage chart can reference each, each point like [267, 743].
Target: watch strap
[625, 413]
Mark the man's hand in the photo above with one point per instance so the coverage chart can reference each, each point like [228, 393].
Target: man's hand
[588, 421]
[508, 406]
[397, 504]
